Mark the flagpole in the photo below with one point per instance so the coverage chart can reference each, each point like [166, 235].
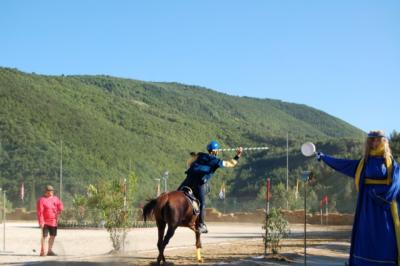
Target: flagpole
[268, 193]
[222, 195]
[327, 215]
[266, 213]
[61, 169]
[287, 168]
[22, 194]
[4, 221]
[224, 199]
[321, 214]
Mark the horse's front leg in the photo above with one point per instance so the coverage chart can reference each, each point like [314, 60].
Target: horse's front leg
[198, 247]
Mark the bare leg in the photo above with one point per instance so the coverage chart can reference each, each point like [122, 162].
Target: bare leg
[42, 245]
[170, 233]
[51, 242]
[198, 246]
[161, 229]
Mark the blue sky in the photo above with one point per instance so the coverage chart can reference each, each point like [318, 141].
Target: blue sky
[339, 56]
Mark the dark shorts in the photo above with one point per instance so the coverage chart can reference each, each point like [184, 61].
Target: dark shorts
[49, 229]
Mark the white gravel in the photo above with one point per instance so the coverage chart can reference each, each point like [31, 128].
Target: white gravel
[23, 241]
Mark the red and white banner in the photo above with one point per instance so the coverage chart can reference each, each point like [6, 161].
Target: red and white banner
[323, 202]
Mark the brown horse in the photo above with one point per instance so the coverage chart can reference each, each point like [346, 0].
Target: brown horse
[172, 209]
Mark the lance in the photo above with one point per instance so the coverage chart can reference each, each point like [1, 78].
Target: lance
[244, 149]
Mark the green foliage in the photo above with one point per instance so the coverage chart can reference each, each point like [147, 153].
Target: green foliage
[338, 187]
[110, 126]
[395, 143]
[79, 203]
[113, 198]
[280, 196]
[276, 228]
[296, 202]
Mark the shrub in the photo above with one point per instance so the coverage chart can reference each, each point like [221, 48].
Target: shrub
[113, 198]
[276, 228]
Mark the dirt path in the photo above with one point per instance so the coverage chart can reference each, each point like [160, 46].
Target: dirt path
[22, 240]
[236, 244]
[240, 253]
[325, 247]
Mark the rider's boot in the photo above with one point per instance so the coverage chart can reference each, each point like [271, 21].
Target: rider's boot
[203, 228]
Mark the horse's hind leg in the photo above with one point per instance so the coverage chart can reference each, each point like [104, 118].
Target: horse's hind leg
[161, 229]
[168, 236]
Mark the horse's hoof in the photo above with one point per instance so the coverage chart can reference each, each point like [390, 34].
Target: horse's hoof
[200, 261]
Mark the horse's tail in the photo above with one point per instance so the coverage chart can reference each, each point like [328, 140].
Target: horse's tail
[148, 209]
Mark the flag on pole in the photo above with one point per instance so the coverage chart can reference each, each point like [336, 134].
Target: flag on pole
[222, 192]
[324, 201]
[22, 192]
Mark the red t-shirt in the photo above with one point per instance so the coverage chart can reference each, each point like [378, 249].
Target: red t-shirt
[48, 209]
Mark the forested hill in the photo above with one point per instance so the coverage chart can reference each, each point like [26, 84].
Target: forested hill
[109, 125]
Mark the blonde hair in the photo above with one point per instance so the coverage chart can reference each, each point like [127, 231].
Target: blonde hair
[387, 152]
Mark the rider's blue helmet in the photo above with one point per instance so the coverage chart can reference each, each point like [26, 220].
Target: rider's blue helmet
[213, 145]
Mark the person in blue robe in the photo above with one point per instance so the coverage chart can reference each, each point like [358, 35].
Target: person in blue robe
[375, 236]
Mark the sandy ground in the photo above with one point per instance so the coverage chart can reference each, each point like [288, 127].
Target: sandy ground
[232, 243]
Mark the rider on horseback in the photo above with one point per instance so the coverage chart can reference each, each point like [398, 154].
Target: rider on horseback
[201, 170]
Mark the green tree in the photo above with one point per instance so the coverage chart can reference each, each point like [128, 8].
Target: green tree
[395, 143]
[279, 196]
[104, 121]
[276, 228]
[114, 198]
[79, 204]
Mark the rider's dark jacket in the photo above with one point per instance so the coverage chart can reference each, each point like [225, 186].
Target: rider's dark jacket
[202, 169]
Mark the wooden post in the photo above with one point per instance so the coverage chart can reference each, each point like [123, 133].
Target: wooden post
[321, 215]
[266, 214]
[305, 223]
[326, 213]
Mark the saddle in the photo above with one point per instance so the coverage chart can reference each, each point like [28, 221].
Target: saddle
[192, 199]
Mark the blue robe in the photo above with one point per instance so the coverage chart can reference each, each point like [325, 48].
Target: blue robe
[373, 240]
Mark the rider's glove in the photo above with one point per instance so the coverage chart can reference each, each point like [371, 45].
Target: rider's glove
[319, 155]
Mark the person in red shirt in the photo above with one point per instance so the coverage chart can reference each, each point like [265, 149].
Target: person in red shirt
[48, 207]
